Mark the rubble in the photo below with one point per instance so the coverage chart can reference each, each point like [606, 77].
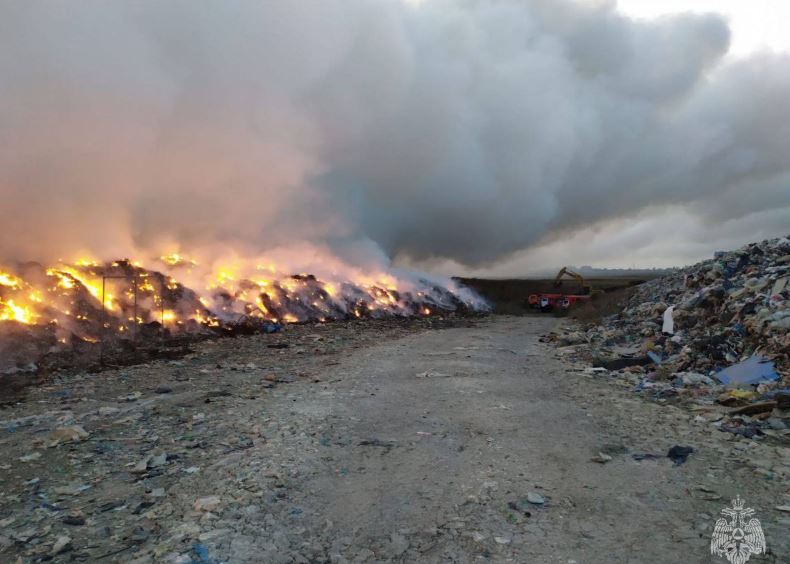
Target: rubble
[72, 433]
[535, 498]
[207, 504]
[121, 464]
[712, 335]
[95, 315]
[601, 458]
[678, 454]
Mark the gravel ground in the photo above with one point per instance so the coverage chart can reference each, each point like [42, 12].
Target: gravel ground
[425, 441]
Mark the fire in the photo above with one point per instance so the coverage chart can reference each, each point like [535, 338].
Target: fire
[176, 259]
[8, 280]
[93, 285]
[90, 298]
[11, 311]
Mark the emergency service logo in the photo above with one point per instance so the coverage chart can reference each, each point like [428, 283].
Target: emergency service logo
[737, 535]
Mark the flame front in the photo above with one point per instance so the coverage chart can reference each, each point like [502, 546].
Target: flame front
[89, 298]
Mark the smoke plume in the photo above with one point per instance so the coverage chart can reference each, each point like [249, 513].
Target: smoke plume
[454, 130]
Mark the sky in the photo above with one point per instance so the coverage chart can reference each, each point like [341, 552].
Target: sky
[755, 24]
[454, 136]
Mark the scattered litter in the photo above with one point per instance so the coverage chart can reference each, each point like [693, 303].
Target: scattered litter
[200, 553]
[535, 498]
[158, 460]
[72, 433]
[74, 488]
[646, 456]
[62, 544]
[624, 362]
[714, 332]
[655, 357]
[668, 327]
[209, 503]
[750, 372]
[431, 374]
[754, 408]
[141, 467]
[74, 518]
[523, 506]
[131, 397]
[377, 443]
[678, 454]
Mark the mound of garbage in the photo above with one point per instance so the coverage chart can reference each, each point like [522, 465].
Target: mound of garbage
[715, 333]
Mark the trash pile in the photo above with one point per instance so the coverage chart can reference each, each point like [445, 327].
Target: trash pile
[715, 333]
[120, 313]
[90, 299]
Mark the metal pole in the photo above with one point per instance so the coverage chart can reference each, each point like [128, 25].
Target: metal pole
[103, 321]
[136, 326]
[162, 299]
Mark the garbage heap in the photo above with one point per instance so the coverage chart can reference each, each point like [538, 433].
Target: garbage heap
[716, 333]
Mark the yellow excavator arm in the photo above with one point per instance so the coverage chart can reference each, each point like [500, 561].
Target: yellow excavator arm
[565, 272]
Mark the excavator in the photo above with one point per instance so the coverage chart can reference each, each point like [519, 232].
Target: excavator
[560, 300]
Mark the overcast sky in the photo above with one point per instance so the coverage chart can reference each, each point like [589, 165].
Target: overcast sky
[459, 136]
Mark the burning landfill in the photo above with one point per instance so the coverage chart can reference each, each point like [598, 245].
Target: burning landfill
[714, 334]
[70, 307]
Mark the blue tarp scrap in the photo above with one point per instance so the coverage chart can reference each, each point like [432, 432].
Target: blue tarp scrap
[200, 555]
[752, 371]
[655, 357]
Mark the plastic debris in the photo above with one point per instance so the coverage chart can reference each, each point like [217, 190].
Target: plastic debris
[601, 458]
[535, 498]
[209, 503]
[750, 372]
[668, 327]
[72, 433]
[200, 553]
[679, 454]
[717, 332]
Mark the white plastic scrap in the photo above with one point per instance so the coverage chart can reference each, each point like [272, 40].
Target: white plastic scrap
[669, 323]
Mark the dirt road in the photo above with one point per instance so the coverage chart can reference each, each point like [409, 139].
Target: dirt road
[456, 445]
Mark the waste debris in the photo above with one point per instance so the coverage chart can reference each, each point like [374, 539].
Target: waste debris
[72, 433]
[714, 335]
[752, 371]
[535, 498]
[93, 315]
[679, 454]
[122, 466]
[601, 458]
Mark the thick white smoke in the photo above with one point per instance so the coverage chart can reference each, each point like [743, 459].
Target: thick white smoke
[460, 130]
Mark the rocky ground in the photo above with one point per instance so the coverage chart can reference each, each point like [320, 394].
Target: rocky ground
[455, 441]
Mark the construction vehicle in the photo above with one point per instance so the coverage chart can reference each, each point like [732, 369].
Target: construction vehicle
[548, 301]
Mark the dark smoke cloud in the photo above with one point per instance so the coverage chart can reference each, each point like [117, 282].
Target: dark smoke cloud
[458, 130]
